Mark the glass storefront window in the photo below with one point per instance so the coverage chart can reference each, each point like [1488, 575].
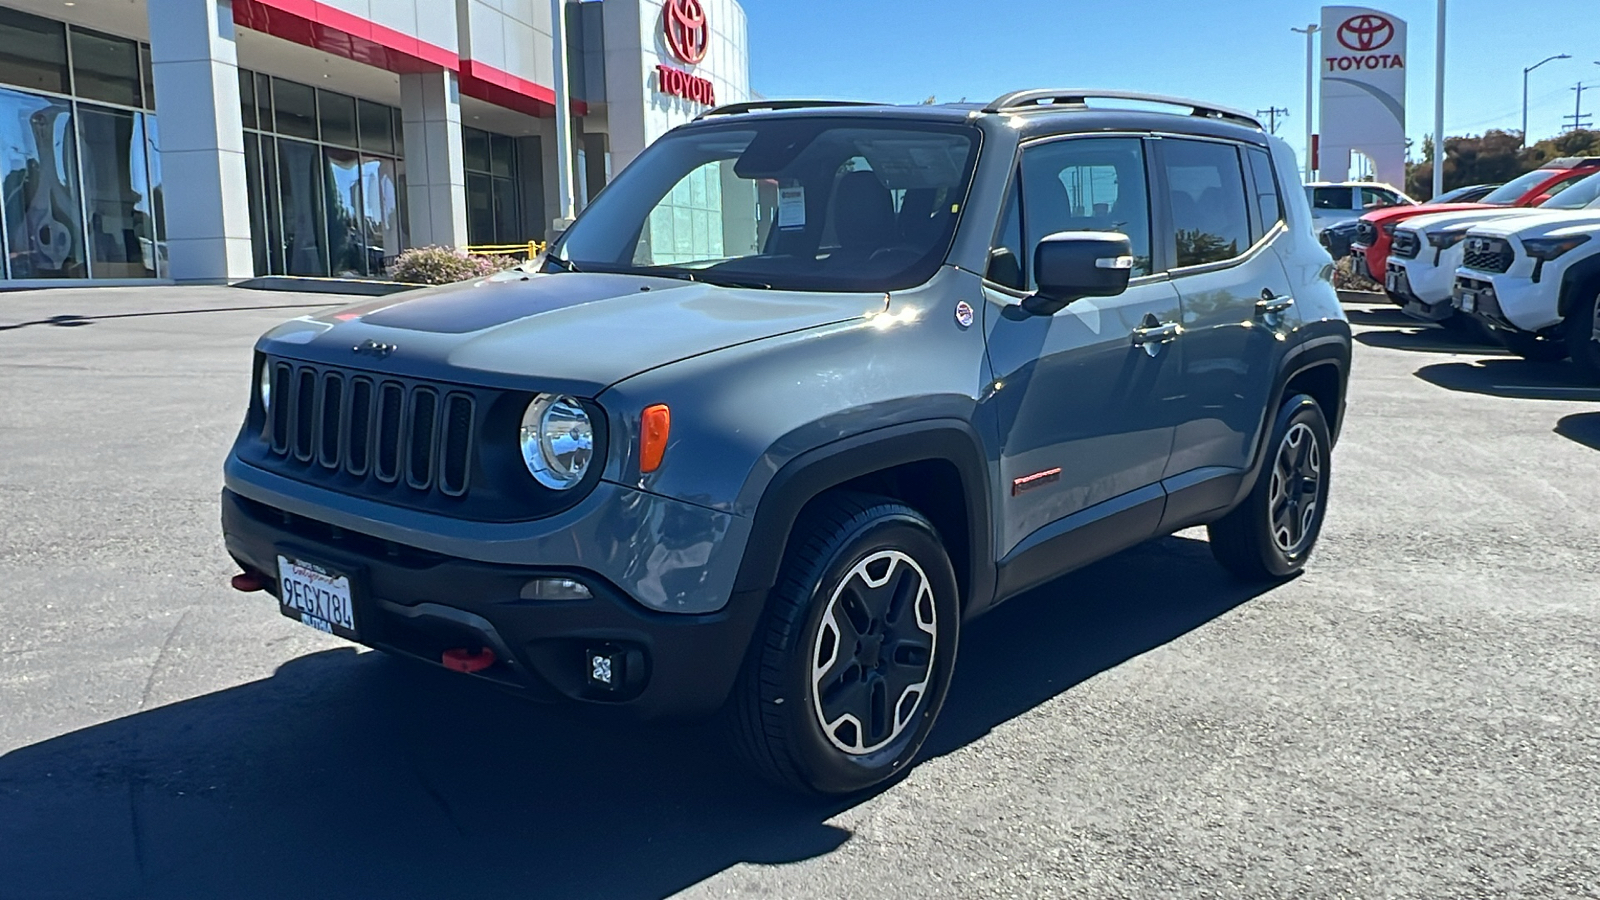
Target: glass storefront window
[493, 201]
[117, 194]
[480, 209]
[152, 153]
[264, 102]
[347, 250]
[33, 52]
[258, 204]
[296, 106]
[475, 146]
[105, 68]
[300, 189]
[502, 156]
[148, 71]
[380, 199]
[338, 113]
[38, 165]
[377, 128]
[247, 99]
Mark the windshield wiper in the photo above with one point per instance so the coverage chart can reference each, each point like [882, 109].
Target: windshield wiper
[704, 277]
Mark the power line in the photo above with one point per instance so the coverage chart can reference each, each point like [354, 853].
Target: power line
[1272, 113]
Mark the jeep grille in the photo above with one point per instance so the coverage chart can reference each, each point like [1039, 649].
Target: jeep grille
[371, 427]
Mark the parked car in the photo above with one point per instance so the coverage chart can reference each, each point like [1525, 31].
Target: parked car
[1338, 238]
[1345, 201]
[1469, 194]
[1534, 282]
[1427, 250]
[805, 389]
[1371, 246]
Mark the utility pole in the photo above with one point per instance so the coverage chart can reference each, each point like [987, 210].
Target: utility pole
[1272, 113]
[1310, 32]
[1525, 73]
[1438, 106]
[1579, 119]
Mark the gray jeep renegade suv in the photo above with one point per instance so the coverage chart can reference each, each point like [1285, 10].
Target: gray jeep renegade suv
[809, 386]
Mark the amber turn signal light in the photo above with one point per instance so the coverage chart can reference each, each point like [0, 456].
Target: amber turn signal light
[654, 427]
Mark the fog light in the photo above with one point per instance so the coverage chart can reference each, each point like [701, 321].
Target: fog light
[608, 668]
[556, 589]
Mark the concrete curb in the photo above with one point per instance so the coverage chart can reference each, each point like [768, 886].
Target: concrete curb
[357, 287]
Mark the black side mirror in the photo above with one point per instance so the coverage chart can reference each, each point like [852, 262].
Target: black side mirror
[1071, 265]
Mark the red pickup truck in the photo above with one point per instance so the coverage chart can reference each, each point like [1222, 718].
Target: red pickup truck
[1376, 230]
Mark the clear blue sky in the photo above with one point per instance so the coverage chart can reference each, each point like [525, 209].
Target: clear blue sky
[1235, 52]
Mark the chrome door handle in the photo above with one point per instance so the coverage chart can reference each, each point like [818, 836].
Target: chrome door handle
[1269, 304]
[1157, 334]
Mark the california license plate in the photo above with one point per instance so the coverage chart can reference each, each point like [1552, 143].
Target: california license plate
[1469, 301]
[316, 596]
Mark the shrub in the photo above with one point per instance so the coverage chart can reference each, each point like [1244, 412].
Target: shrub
[1347, 276]
[444, 265]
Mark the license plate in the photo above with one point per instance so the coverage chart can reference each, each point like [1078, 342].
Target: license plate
[316, 596]
[1469, 301]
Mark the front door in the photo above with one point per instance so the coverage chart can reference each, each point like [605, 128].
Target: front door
[1225, 219]
[1081, 397]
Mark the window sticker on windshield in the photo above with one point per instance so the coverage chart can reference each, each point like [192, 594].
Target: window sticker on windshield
[792, 207]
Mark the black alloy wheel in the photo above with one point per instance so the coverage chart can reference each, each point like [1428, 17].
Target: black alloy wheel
[849, 669]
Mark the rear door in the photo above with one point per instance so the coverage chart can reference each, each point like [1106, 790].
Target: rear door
[1223, 218]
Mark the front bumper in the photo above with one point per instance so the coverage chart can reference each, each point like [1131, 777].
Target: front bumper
[421, 599]
[1510, 301]
[1419, 296]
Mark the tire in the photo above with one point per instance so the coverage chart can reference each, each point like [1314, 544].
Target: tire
[855, 563]
[1531, 348]
[1582, 333]
[1270, 536]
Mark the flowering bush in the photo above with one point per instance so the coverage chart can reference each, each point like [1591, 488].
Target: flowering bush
[444, 265]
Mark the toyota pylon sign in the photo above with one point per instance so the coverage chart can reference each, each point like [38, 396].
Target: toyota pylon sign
[1364, 65]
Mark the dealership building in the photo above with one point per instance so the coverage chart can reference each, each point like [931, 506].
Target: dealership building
[213, 141]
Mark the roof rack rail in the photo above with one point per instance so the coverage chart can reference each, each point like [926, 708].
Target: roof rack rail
[736, 109]
[1021, 101]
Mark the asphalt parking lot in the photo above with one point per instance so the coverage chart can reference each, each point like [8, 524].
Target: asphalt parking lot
[1418, 716]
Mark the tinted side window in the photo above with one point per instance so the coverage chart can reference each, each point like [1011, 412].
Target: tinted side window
[1206, 187]
[1330, 198]
[1091, 184]
[1372, 198]
[1269, 206]
[1007, 265]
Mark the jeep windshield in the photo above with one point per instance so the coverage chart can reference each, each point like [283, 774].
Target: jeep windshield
[791, 203]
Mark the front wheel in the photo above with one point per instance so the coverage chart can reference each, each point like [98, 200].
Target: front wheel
[851, 665]
[1531, 347]
[1271, 534]
[1582, 332]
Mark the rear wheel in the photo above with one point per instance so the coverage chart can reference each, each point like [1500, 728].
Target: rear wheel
[1582, 332]
[851, 665]
[1271, 534]
[1531, 347]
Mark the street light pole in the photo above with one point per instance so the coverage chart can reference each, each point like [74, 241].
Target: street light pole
[1311, 77]
[1525, 90]
[1438, 107]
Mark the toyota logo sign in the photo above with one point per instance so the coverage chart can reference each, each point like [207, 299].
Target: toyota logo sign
[1366, 33]
[687, 33]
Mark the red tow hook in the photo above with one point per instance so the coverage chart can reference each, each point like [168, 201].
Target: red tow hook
[248, 582]
[468, 661]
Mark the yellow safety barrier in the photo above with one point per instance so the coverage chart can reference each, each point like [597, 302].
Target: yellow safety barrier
[528, 250]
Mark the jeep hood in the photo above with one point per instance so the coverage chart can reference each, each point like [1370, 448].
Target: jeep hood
[570, 332]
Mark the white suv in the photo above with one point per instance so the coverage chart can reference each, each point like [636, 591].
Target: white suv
[1345, 201]
[1427, 250]
[1534, 281]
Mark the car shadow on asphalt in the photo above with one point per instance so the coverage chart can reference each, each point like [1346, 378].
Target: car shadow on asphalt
[1379, 316]
[354, 774]
[1583, 428]
[1425, 339]
[1513, 378]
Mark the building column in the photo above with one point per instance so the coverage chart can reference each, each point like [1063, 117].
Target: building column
[436, 174]
[196, 68]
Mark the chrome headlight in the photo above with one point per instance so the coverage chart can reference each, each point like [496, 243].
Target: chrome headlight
[557, 441]
[264, 384]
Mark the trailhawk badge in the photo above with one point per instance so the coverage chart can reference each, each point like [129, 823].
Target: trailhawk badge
[964, 314]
